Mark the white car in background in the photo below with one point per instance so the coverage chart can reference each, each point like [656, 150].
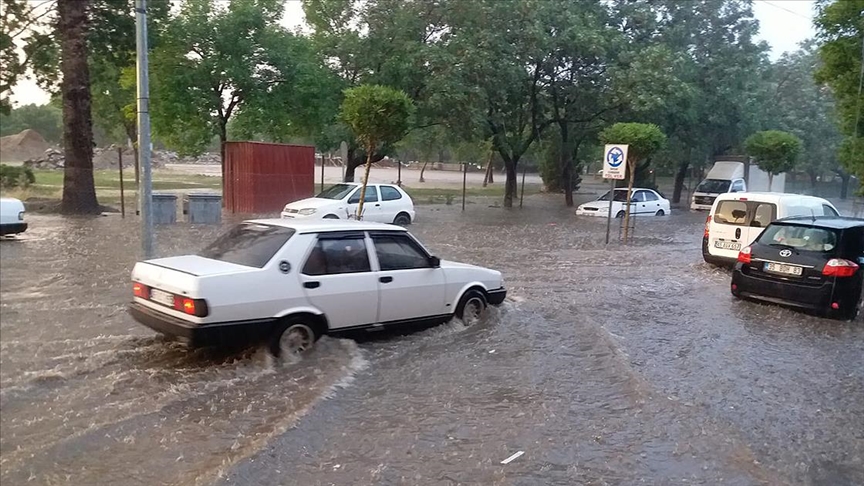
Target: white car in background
[11, 216]
[288, 282]
[644, 202]
[384, 203]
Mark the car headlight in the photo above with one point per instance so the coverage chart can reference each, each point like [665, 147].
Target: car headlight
[307, 211]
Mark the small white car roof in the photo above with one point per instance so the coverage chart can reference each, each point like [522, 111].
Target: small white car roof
[327, 225]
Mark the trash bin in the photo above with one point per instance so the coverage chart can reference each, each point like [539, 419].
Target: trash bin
[164, 208]
[203, 208]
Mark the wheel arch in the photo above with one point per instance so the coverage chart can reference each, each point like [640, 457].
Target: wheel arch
[316, 317]
[465, 289]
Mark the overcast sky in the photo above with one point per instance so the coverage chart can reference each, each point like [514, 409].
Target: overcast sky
[783, 24]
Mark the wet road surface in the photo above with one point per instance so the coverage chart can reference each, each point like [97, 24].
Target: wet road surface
[621, 365]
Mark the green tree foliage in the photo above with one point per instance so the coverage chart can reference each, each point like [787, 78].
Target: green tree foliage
[376, 115]
[45, 119]
[25, 25]
[643, 140]
[775, 151]
[840, 33]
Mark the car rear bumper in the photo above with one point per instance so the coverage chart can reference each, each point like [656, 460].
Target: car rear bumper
[12, 229]
[784, 293]
[496, 297]
[720, 261]
[223, 333]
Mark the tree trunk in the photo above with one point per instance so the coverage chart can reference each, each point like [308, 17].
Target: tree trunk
[813, 180]
[510, 183]
[770, 180]
[632, 165]
[487, 178]
[565, 158]
[491, 168]
[422, 170]
[844, 187]
[369, 154]
[79, 190]
[223, 137]
[680, 175]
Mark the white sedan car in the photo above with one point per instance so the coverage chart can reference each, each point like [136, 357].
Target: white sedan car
[11, 216]
[644, 202]
[288, 282]
[384, 203]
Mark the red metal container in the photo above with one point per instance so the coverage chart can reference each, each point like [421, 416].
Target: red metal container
[263, 177]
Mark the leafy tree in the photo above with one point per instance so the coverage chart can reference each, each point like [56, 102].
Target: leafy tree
[643, 139]
[24, 24]
[215, 61]
[840, 32]
[377, 115]
[45, 119]
[775, 151]
[79, 189]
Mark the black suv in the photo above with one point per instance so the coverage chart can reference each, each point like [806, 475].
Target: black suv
[806, 262]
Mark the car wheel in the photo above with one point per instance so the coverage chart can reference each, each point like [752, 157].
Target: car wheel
[620, 214]
[471, 307]
[331, 216]
[660, 212]
[402, 219]
[294, 336]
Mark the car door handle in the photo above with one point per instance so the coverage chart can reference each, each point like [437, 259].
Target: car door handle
[385, 279]
[378, 205]
[311, 285]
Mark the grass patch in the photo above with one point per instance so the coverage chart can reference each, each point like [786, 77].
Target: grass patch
[110, 179]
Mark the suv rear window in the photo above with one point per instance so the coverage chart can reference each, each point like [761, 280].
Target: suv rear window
[745, 213]
[248, 244]
[805, 238]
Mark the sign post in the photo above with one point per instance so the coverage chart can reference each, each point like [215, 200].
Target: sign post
[614, 168]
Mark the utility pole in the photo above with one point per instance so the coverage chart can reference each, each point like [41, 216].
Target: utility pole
[145, 192]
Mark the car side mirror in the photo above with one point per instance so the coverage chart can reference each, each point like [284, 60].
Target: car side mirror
[434, 261]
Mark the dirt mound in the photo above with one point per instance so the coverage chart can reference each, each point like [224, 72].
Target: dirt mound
[22, 146]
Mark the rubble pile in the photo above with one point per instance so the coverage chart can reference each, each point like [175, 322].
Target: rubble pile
[107, 158]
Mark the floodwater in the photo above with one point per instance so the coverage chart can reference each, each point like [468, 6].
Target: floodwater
[621, 365]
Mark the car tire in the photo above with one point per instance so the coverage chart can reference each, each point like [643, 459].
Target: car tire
[620, 214]
[331, 216]
[660, 212]
[472, 306]
[294, 335]
[402, 219]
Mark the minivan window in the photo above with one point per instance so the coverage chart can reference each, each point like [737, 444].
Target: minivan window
[804, 238]
[714, 186]
[763, 215]
[249, 244]
[745, 213]
[828, 210]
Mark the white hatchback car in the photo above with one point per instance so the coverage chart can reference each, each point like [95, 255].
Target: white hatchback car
[384, 203]
[288, 282]
[11, 216]
[644, 202]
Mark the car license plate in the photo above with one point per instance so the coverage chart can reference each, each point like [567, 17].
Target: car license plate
[727, 245]
[162, 297]
[782, 268]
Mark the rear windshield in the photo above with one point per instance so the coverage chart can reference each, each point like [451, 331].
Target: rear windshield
[800, 238]
[745, 213]
[714, 186]
[249, 244]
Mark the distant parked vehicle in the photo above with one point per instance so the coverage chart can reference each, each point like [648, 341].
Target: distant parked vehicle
[384, 203]
[644, 202]
[727, 177]
[805, 262]
[11, 216]
[288, 282]
[736, 220]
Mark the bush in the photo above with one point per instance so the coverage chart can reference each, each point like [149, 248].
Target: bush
[16, 176]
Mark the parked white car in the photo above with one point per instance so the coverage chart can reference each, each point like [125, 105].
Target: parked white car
[11, 216]
[644, 202]
[384, 203]
[737, 219]
[288, 282]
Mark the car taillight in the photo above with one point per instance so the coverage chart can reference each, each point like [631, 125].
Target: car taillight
[140, 290]
[838, 267]
[744, 254]
[193, 307]
[707, 226]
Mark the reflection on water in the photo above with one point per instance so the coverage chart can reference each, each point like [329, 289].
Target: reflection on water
[620, 365]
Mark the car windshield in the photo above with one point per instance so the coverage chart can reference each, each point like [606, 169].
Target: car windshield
[248, 244]
[620, 196]
[805, 238]
[714, 186]
[338, 191]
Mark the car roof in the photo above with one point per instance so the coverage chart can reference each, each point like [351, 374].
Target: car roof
[767, 196]
[635, 189]
[327, 226]
[832, 222]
